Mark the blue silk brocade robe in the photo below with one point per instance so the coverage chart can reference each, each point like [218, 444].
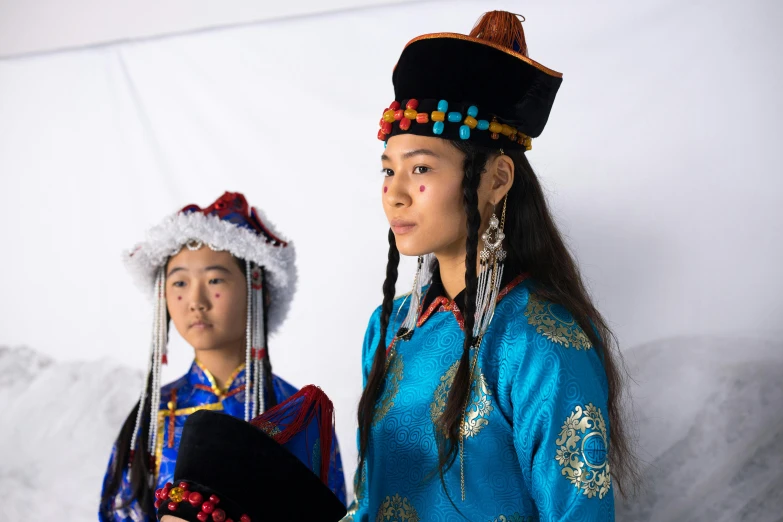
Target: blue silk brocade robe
[536, 428]
[195, 391]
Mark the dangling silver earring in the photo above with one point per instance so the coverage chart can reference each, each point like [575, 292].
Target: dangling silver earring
[255, 342]
[421, 279]
[492, 258]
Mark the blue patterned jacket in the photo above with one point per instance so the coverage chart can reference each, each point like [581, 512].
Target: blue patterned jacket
[536, 432]
[197, 390]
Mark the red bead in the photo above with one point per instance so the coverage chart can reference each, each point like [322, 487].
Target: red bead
[172, 506]
[398, 115]
[394, 106]
[386, 127]
[381, 135]
[183, 485]
[214, 499]
[164, 359]
[229, 520]
[157, 492]
[405, 124]
[381, 122]
[207, 507]
[219, 515]
[202, 516]
[195, 499]
[422, 117]
[244, 518]
[158, 503]
[168, 486]
[412, 104]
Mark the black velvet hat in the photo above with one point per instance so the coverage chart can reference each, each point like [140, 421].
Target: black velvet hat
[481, 87]
[231, 470]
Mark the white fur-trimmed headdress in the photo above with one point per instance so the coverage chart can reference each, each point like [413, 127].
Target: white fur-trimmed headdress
[230, 225]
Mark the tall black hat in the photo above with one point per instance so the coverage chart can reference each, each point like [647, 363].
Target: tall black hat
[482, 87]
[231, 470]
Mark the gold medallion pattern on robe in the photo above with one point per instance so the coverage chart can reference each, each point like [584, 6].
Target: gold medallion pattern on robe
[394, 375]
[557, 325]
[583, 450]
[397, 509]
[479, 406]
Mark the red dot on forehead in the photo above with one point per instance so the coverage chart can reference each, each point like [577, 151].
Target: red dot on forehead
[217, 295]
[421, 189]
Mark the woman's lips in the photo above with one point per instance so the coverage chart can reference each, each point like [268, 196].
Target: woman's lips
[200, 325]
[401, 227]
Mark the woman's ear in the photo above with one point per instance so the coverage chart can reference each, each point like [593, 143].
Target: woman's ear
[502, 177]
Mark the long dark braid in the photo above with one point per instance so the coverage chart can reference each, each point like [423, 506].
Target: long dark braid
[140, 489]
[449, 423]
[378, 372]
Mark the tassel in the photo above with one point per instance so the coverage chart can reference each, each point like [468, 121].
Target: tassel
[501, 28]
[296, 413]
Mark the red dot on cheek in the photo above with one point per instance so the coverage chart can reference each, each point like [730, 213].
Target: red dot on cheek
[179, 298]
[385, 190]
[217, 295]
[421, 189]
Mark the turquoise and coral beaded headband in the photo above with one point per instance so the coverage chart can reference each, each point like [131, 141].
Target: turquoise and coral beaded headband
[441, 100]
[436, 120]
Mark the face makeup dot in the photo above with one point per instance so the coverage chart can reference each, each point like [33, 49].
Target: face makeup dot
[421, 189]
[217, 295]
[385, 190]
[179, 298]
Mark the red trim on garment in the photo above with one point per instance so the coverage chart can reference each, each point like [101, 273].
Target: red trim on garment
[444, 304]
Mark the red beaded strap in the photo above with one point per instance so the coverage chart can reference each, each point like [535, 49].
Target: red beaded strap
[182, 493]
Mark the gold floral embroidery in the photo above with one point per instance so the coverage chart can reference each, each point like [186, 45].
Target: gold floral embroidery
[267, 427]
[516, 517]
[479, 408]
[552, 324]
[396, 509]
[394, 374]
[585, 464]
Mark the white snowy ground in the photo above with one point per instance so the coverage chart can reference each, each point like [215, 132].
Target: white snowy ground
[710, 413]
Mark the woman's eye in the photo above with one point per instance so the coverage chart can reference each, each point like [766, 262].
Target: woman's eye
[421, 169]
[178, 284]
[215, 280]
[387, 172]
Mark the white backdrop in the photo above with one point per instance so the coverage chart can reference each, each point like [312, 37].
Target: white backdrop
[661, 160]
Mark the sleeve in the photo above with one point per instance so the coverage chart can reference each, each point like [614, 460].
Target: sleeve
[357, 511]
[118, 508]
[561, 435]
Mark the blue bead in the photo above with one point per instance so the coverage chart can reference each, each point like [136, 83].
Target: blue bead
[482, 125]
[443, 106]
[384, 144]
[454, 117]
[464, 132]
[472, 111]
[438, 127]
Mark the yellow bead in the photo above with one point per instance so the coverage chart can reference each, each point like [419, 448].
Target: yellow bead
[471, 122]
[494, 127]
[506, 130]
[171, 405]
[176, 494]
[388, 116]
[410, 114]
[438, 116]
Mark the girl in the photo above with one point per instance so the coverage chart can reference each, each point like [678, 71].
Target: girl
[226, 281]
[493, 394]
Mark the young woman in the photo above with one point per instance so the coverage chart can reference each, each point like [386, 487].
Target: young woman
[225, 280]
[494, 393]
